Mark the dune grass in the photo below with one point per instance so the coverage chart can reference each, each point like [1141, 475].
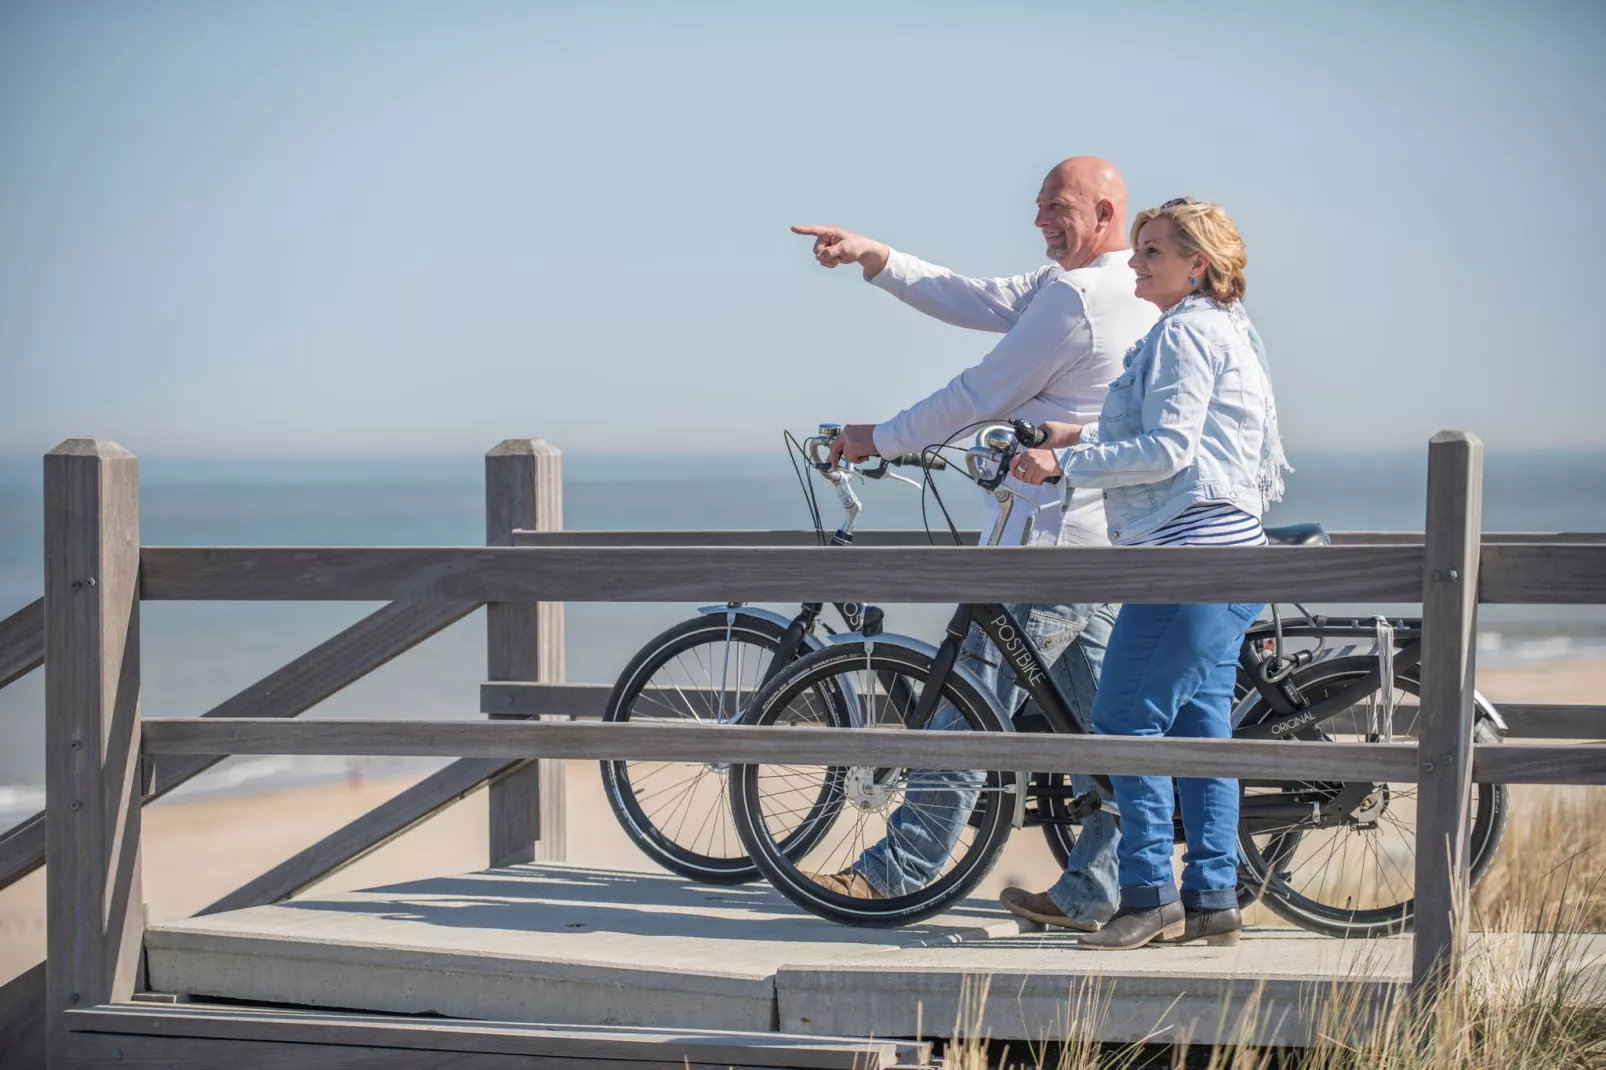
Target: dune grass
[1524, 995]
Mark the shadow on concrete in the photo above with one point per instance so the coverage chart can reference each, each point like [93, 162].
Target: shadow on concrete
[559, 900]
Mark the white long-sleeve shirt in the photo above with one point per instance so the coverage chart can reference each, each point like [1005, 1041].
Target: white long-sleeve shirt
[1065, 333]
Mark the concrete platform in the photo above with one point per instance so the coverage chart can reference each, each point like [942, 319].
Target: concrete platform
[562, 944]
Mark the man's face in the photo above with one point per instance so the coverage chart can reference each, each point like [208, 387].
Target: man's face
[1068, 220]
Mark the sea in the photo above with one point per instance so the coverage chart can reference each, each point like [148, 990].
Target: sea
[197, 654]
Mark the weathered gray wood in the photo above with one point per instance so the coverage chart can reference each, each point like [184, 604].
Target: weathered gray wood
[684, 537]
[121, 1052]
[287, 692]
[1543, 573]
[398, 1035]
[771, 574]
[1534, 721]
[367, 833]
[1539, 763]
[1449, 632]
[94, 909]
[524, 641]
[22, 641]
[22, 1021]
[672, 742]
[1490, 538]
[590, 701]
[22, 849]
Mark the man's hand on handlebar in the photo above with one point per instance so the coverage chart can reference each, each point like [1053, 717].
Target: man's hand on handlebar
[1035, 466]
[1058, 435]
[856, 442]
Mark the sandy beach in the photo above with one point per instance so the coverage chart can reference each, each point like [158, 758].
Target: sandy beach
[196, 850]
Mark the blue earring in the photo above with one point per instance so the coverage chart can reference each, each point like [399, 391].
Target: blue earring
[1192, 281]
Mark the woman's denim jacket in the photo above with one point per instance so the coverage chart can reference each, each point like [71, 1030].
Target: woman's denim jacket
[1183, 424]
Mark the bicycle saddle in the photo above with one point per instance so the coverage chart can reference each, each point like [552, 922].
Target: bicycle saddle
[1298, 535]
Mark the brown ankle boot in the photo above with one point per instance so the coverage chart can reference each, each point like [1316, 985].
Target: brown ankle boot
[849, 883]
[1218, 928]
[1038, 907]
[1133, 928]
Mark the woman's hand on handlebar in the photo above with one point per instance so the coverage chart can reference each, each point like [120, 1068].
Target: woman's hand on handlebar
[1059, 436]
[856, 442]
[1035, 466]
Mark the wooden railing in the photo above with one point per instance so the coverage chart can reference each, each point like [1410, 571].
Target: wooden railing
[103, 759]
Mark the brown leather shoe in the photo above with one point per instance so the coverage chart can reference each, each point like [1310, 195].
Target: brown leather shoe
[1133, 928]
[849, 883]
[1038, 907]
[1217, 928]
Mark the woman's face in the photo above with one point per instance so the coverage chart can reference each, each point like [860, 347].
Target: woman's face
[1163, 269]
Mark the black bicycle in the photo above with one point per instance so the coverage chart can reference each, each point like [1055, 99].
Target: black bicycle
[707, 669]
[1332, 857]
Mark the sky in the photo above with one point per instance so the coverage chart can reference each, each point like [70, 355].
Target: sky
[392, 229]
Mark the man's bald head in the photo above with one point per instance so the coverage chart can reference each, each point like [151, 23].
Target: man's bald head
[1081, 211]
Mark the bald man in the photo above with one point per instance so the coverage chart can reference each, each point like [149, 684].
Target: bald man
[1066, 327]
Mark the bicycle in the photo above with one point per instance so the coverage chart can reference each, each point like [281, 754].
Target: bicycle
[1356, 888]
[706, 669]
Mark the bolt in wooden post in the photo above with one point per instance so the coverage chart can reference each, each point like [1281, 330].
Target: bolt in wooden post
[524, 490]
[1444, 748]
[94, 910]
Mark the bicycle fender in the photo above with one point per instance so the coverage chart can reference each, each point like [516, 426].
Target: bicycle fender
[811, 641]
[930, 651]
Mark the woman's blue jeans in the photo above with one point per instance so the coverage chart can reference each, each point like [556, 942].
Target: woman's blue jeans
[1169, 671]
[922, 832]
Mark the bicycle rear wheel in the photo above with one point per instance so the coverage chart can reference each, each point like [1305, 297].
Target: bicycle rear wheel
[705, 670]
[1351, 871]
[933, 841]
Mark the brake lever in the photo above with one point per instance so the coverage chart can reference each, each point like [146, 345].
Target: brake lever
[1030, 436]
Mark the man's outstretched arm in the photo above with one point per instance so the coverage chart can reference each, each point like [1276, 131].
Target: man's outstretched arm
[977, 304]
[1047, 342]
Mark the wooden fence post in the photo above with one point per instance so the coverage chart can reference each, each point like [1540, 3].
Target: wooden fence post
[524, 490]
[94, 909]
[1449, 624]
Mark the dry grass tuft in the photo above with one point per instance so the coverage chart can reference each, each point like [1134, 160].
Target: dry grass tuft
[1553, 835]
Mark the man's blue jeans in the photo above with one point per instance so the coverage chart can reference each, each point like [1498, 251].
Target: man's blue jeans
[1169, 672]
[922, 832]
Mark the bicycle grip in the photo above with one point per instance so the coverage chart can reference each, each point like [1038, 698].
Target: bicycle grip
[931, 462]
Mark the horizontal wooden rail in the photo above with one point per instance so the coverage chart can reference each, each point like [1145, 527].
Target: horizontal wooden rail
[1533, 721]
[744, 537]
[757, 574]
[940, 537]
[197, 1035]
[1579, 763]
[367, 833]
[1543, 573]
[1406, 538]
[509, 698]
[22, 642]
[844, 746]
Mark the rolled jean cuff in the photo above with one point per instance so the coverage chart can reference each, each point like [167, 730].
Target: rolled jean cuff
[1148, 897]
[1210, 898]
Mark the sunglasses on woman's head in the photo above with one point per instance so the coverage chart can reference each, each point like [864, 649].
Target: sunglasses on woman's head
[1173, 203]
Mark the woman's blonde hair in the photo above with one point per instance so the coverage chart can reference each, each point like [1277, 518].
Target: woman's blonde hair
[1202, 227]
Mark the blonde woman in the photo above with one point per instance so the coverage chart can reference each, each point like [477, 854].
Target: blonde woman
[1187, 454]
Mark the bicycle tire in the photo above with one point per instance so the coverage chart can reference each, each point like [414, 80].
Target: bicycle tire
[649, 829]
[1266, 879]
[990, 818]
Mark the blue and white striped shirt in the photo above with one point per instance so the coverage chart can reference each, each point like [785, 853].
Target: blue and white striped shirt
[1207, 524]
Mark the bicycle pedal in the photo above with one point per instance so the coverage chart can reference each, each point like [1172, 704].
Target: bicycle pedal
[1084, 806]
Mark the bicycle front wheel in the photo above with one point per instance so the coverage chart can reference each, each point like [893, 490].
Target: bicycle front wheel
[901, 844]
[706, 671]
[1345, 866]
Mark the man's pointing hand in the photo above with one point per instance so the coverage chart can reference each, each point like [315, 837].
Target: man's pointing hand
[833, 246]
